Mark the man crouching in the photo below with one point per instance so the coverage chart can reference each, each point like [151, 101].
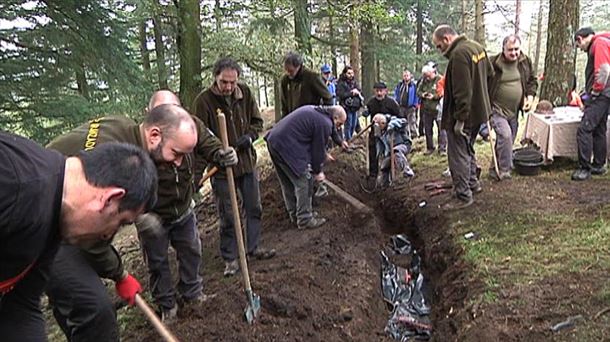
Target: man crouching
[391, 134]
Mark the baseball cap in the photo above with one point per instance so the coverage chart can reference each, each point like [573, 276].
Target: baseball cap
[380, 85]
[325, 68]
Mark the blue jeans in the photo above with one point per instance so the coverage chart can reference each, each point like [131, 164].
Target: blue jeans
[350, 124]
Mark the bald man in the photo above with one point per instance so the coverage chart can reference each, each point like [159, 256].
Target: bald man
[169, 134]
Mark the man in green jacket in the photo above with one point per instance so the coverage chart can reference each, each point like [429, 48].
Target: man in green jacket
[244, 124]
[80, 303]
[301, 86]
[512, 89]
[466, 106]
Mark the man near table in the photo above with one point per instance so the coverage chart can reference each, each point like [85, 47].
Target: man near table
[512, 89]
[466, 106]
[591, 134]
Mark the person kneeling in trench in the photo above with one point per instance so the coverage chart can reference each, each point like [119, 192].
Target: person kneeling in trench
[390, 133]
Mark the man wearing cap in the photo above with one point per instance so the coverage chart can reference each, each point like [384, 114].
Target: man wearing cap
[329, 80]
[466, 106]
[512, 89]
[429, 98]
[591, 135]
[405, 94]
[379, 104]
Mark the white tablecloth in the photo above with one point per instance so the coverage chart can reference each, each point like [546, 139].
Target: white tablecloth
[555, 134]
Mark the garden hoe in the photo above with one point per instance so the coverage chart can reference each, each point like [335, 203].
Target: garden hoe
[254, 301]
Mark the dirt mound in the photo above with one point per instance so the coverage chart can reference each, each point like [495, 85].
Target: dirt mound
[324, 284]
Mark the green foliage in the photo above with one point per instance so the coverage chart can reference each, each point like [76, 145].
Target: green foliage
[47, 47]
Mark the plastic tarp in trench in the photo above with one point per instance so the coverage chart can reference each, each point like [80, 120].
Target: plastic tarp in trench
[402, 289]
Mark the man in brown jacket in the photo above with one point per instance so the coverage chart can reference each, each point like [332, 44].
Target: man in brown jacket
[466, 106]
[301, 86]
[512, 89]
[244, 124]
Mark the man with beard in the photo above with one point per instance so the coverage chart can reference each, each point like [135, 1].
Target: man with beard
[46, 198]
[301, 86]
[466, 106]
[350, 98]
[170, 135]
[244, 124]
[512, 89]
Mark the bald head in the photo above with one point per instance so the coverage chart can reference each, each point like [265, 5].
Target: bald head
[442, 37]
[170, 133]
[338, 114]
[160, 97]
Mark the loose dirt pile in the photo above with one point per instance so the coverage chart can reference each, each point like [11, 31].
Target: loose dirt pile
[323, 285]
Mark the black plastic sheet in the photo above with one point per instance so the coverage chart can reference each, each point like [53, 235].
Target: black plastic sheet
[402, 289]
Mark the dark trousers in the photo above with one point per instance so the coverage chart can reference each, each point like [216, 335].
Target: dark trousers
[296, 190]
[373, 160]
[591, 134]
[249, 201]
[80, 302]
[420, 128]
[430, 117]
[184, 238]
[21, 318]
[462, 163]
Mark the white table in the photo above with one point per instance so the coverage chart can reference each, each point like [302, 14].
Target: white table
[555, 134]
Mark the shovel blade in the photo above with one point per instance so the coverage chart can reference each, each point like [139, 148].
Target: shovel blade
[254, 306]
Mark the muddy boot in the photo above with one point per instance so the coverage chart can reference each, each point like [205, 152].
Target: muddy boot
[262, 253]
[231, 268]
[168, 316]
[315, 222]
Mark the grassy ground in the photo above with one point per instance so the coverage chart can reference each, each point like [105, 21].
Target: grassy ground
[536, 237]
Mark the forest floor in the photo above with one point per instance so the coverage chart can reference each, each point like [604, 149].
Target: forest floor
[541, 254]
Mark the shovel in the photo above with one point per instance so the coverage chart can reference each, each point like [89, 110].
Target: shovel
[254, 301]
[493, 150]
[156, 322]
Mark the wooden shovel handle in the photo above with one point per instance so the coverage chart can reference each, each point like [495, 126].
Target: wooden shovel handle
[208, 174]
[222, 124]
[156, 322]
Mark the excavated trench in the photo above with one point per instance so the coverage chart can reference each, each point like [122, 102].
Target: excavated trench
[324, 284]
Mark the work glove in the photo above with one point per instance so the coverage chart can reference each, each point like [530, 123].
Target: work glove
[127, 288]
[226, 157]
[397, 123]
[458, 129]
[527, 104]
[244, 142]
[149, 224]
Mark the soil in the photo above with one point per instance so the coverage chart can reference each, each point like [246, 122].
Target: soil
[323, 284]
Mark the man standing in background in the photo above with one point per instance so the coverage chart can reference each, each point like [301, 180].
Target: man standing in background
[405, 94]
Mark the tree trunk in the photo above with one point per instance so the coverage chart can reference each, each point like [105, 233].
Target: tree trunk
[479, 23]
[277, 101]
[81, 81]
[143, 48]
[189, 49]
[160, 51]
[538, 37]
[266, 91]
[258, 89]
[419, 40]
[517, 15]
[368, 58]
[333, 48]
[559, 60]
[354, 49]
[464, 21]
[218, 15]
[302, 26]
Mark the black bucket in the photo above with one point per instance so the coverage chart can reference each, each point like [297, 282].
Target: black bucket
[527, 161]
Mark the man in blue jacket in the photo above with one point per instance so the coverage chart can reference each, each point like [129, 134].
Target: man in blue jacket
[297, 146]
[405, 94]
[329, 81]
